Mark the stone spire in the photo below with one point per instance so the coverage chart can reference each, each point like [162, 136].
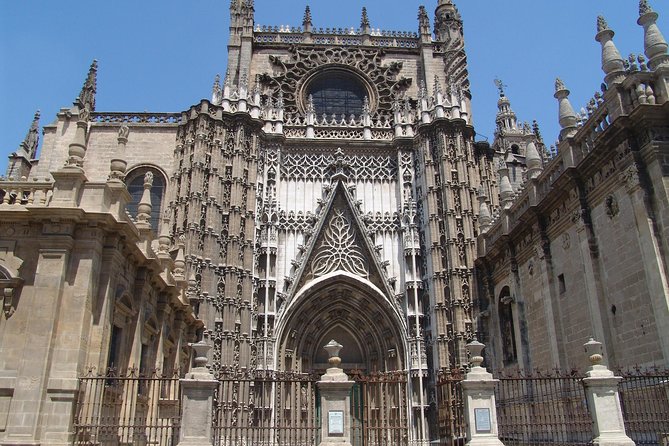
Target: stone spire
[86, 98]
[19, 164]
[655, 46]
[506, 118]
[612, 62]
[365, 26]
[31, 141]
[532, 160]
[566, 115]
[423, 22]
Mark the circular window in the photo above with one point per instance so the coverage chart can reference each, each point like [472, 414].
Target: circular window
[337, 92]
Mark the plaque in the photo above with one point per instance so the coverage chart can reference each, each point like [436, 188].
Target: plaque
[335, 422]
[482, 419]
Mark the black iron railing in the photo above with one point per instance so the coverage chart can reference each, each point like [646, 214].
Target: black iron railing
[644, 396]
[542, 408]
[256, 407]
[130, 408]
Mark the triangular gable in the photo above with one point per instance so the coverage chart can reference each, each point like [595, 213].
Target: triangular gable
[339, 243]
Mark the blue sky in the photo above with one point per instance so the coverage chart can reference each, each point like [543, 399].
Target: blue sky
[162, 55]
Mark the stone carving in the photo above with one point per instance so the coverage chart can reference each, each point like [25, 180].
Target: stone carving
[289, 75]
[612, 208]
[339, 250]
[321, 167]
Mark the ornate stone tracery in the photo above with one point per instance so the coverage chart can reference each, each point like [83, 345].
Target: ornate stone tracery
[292, 76]
[339, 249]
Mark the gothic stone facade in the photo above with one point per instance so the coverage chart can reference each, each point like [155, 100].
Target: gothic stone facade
[332, 189]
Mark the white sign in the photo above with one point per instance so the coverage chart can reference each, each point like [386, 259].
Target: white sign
[482, 418]
[335, 422]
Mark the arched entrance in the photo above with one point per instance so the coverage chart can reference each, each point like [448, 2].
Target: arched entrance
[351, 310]
[355, 313]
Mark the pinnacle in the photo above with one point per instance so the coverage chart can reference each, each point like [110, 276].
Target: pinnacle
[307, 15]
[364, 22]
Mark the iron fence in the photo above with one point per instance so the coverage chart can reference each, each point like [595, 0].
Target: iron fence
[127, 409]
[257, 407]
[542, 408]
[644, 396]
[379, 409]
[450, 407]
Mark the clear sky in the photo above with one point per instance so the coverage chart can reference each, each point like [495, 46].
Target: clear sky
[162, 55]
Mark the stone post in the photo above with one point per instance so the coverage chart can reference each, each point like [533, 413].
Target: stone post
[335, 390]
[601, 389]
[197, 399]
[478, 390]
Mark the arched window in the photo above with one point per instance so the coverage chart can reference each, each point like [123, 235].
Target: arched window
[507, 330]
[515, 149]
[337, 92]
[135, 183]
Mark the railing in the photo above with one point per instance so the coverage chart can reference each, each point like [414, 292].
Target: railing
[451, 407]
[136, 118]
[263, 408]
[25, 192]
[644, 396]
[542, 409]
[379, 409]
[127, 409]
[335, 36]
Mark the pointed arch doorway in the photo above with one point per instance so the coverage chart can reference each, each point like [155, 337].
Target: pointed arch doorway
[352, 311]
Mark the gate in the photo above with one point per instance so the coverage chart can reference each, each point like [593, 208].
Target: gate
[379, 414]
[263, 408]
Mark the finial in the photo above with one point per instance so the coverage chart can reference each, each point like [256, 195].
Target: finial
[86, 97]
[216, 90]
[500, 86]
[559, 85]
[310, 105]
[307, 16]
[118, 164]
[423, 19]
[601, 24]
[124, 132]
[364, 22]
[365, 105]
[533, 160]
[145, 207]
[654, 44]
[566, 115]
[333, 348]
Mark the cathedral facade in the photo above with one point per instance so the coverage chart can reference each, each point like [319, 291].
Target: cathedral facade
[332, 188]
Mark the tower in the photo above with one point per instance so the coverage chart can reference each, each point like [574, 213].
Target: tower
[325, 193]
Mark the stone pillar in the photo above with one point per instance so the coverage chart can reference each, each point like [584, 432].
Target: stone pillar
[478, 390]
[601, 389]
[197, 399]
[335, 390]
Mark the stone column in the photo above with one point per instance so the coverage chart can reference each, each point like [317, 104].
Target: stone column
[197, 399]
[601, 389]
[478, 390]
[335, 390]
